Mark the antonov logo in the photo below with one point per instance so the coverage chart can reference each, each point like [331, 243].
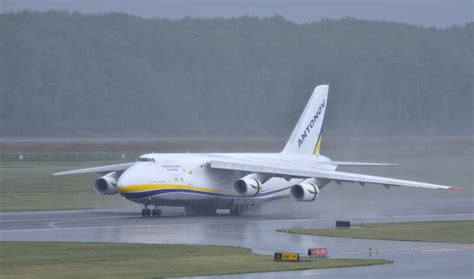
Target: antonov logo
[310, 126]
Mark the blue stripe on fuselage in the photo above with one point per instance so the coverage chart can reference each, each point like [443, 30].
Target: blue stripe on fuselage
[147, 194]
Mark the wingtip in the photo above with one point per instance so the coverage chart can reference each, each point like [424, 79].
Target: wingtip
[456, 188]
[393, 165]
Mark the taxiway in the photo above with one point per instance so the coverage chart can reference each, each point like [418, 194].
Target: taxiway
[256, 232]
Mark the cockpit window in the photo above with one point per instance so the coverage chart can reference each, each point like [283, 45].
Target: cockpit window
[145, 159]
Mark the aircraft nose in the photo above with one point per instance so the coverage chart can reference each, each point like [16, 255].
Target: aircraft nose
[136, 181]
[130, 177]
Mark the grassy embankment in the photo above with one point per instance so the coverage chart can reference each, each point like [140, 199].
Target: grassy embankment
[107, 260]
[433, 231]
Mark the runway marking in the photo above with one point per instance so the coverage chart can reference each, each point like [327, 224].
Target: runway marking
[52, 224]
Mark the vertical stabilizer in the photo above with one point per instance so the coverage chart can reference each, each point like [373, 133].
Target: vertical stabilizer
[306, 136]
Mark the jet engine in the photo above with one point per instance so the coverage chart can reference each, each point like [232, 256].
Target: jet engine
[106, 185]
[305, 191]
[248, 186]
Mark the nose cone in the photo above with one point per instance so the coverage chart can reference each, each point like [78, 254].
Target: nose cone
[129, 177]
[136, 175]
[134, 182]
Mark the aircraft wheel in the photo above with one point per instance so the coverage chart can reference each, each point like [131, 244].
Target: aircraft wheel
[148, 212]
[144, 212]
[156, 212]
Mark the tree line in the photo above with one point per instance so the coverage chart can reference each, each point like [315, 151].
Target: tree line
[66, 74]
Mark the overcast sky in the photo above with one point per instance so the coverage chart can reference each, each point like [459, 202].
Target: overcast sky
[439, 13]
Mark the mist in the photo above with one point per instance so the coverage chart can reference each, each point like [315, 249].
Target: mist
[109, 87]
[117, 75]
[435, 13]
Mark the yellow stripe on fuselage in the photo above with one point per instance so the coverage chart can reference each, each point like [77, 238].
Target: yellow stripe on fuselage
[150, 187]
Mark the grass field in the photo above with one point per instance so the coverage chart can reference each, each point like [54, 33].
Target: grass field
[28, 184]
[107, 260]
[436, 231]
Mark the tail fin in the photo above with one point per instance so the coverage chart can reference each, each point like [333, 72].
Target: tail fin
[306, 137]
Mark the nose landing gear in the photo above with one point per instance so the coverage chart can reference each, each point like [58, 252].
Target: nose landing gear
[146, 212]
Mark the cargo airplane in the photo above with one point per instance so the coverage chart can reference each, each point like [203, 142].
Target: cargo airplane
[203, 183]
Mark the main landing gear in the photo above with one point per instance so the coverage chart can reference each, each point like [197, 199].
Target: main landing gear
[146, 212]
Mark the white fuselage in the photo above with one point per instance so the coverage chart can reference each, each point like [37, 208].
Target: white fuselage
[183, 179]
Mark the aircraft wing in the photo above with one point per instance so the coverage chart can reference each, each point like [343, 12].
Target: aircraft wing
[360, 164]
[101, 169]
[286, 170]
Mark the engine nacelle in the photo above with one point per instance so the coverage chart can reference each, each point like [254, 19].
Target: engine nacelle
[106, 185]
[306, 191]
[248, 186]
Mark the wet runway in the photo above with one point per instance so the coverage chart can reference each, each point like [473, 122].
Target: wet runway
[257, 232]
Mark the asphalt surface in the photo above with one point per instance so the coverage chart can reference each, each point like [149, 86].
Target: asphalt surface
[257, 232]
